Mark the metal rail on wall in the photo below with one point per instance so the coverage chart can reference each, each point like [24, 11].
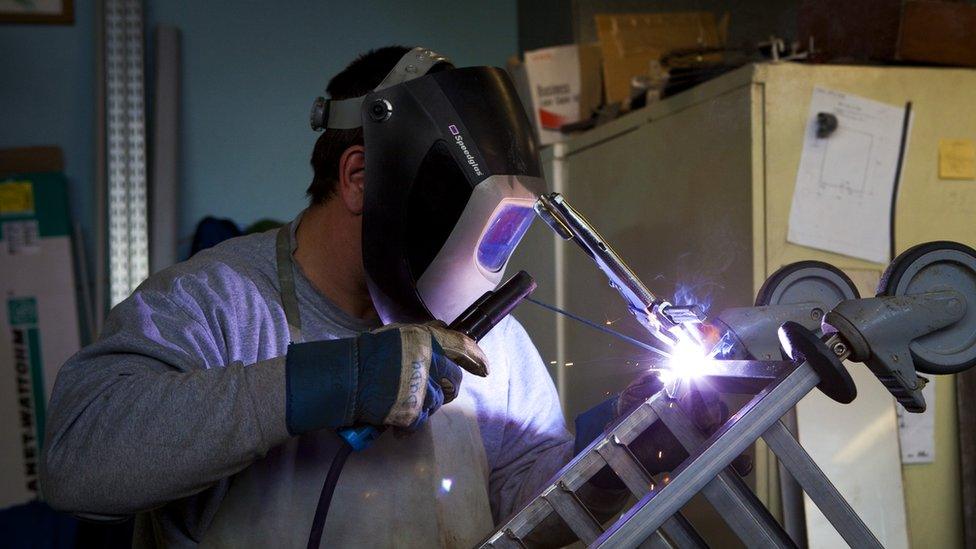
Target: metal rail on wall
[125, 136]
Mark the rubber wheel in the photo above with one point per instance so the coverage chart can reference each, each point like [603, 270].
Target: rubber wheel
[931, 267]
[805, 280]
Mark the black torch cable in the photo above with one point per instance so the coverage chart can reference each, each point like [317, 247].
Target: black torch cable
[325, 498]
[601, 328]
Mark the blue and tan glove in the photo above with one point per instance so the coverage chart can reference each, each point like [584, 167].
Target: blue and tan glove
[398, 376]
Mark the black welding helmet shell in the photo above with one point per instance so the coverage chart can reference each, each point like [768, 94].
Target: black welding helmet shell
[452, 174]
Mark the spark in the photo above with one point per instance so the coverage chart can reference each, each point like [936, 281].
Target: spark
[568, 364]
[446, 484]
[553, 362]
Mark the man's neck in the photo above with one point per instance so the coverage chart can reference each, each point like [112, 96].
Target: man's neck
[329, 255]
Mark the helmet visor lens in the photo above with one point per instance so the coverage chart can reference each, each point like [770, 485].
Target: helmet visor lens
[504, 233]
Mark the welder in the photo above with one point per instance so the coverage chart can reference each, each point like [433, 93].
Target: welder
[209, 405]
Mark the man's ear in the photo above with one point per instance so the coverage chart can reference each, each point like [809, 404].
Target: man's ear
[352, 178]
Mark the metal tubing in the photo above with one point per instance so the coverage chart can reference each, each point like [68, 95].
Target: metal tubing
[742, 376]
[574, 513]
[657, 541]
[816, 484]
[733, 500]
[633, 475]
[682, 534]
[794, 516]
[731, 440]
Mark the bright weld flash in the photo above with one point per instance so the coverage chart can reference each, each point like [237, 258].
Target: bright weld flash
[689, 359]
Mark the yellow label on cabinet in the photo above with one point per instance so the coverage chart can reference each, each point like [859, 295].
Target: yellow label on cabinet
[16, 197]
[957, 159]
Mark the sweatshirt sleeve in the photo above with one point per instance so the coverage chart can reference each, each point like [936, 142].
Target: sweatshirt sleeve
[152, 412]
[535, 443]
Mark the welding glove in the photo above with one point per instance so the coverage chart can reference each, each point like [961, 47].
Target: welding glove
[397, 375]
[656, 448]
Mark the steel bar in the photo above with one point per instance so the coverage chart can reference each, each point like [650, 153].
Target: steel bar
[734, 501]
[816, 484]
[656, 541]
[574, 513]
[681, 533]
[573, 475]
[742, 376]
[640, 483]
[599, 454]
[509, 541]
[626, 466]
[794, 516]
[731, 440]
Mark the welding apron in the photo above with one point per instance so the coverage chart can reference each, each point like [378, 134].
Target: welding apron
[428, 489]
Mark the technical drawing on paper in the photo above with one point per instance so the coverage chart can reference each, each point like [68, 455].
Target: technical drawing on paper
[845, 160]
[843, 195]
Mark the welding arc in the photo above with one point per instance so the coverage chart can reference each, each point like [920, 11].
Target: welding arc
[601, 328]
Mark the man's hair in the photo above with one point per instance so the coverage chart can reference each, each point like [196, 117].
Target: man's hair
[359, 78]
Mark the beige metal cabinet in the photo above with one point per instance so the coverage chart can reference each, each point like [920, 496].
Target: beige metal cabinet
[695, 193]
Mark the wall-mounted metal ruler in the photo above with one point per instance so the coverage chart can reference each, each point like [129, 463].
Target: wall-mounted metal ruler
[128, 254]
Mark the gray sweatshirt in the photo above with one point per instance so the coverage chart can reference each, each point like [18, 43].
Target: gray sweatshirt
[177, 414]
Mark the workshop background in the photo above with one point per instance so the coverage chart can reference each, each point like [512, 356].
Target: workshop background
[686, 130]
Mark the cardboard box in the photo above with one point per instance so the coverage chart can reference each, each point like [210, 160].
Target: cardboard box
[558, 86]
[943, 33]
[630, 42]
[38, 320]
[890, 30]
[866, 30]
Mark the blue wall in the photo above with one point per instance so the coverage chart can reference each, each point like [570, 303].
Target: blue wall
[250, 72]
[47, 97]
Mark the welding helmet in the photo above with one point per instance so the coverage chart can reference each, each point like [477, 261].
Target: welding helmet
[452, 174]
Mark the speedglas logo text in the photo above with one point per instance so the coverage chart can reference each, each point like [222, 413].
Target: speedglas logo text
[464, 149]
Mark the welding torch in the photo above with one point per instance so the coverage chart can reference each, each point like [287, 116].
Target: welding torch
[655, 314]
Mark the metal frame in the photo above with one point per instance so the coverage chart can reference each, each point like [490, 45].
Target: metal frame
[655, 520]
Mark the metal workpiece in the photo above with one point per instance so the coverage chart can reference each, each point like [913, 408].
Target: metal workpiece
[656, 314]
[819, 488]
[728, 493]
[569, 508]
[681, 534]
[743, 377]
[698, 470]
[655, 520]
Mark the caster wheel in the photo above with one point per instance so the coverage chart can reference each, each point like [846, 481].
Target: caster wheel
[932, 267]
[805, 281]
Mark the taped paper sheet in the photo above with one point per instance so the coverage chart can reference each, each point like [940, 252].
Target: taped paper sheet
[843, 196]
[916, 432]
